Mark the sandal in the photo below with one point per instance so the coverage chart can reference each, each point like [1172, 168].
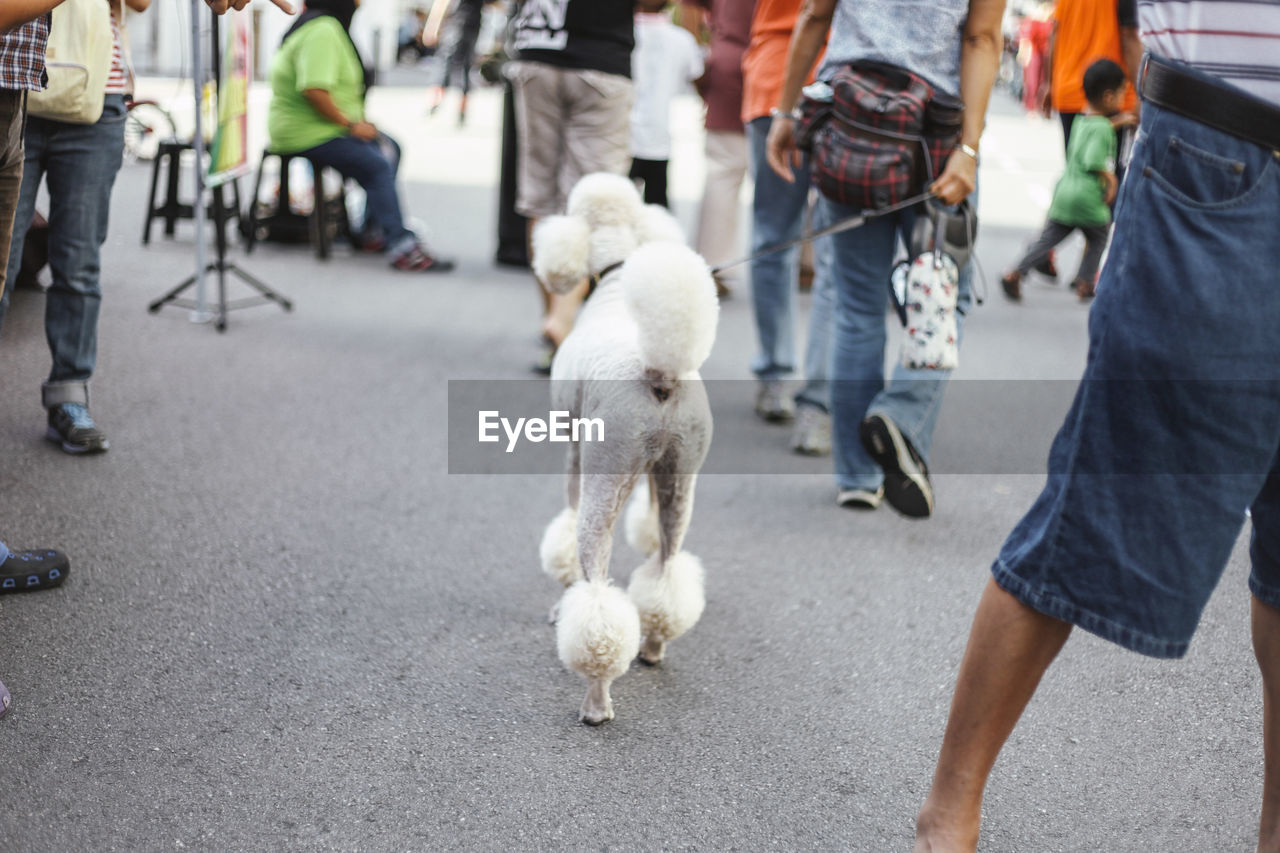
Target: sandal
[543, 363]
[30, 571]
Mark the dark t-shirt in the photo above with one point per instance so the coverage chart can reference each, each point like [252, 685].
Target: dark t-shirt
[595, 35]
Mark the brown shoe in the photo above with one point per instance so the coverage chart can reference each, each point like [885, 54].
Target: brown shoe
[1011, 283]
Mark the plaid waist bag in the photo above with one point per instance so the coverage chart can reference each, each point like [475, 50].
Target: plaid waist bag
[878, 134]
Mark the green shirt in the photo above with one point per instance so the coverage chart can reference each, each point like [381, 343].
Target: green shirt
[318, 56]
[1079, 198]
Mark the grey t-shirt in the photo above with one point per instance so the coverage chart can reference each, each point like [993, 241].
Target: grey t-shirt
[920, 35]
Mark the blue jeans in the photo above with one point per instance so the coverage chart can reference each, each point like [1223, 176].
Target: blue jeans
[777, 215]
[79, 163]
[862, 260]
[373, 165]
[1175, 428]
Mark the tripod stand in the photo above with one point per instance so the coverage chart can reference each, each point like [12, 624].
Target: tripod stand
[265, 294]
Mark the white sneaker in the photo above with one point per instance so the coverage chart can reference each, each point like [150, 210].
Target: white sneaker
[773, 403]
[860, 498]
[812, 433]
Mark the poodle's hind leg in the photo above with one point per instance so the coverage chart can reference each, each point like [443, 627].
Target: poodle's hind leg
[641, 519]
[668, 588]
[559, 546]
[598, 629]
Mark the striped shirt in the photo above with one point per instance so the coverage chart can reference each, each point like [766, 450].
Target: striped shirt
[22, 56]
[1237, 40]
[118, 78]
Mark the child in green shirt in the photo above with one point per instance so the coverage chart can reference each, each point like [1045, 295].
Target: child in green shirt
[1082, 198]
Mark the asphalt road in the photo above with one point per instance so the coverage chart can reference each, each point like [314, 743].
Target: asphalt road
[288, 627]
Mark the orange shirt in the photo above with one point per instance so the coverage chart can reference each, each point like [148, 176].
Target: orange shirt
[1086, 31]
[765, 62]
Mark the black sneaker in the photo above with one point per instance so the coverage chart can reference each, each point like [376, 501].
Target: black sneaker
[906, 479]
[71, 427]
[28, 571]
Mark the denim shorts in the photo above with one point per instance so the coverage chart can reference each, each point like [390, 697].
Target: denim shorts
[1174, 430]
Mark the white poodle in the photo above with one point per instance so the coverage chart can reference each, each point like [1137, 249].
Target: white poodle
[632, 361]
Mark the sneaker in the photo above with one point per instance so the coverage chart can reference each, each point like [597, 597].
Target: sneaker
[71, 426]
[773, 403]
[812, 433]
[30, 571]
[859, 498]
[1011, 283]
[417, 259]
[1048, 266]
[370, 242]
[906, 479]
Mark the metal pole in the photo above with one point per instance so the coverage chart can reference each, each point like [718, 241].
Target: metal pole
[201, 313]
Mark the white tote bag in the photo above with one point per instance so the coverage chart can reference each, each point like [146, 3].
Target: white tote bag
[78, 61]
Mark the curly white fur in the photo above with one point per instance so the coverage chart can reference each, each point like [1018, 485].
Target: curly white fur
[657, 277]
[562, 252]
[670, 600]
[598, 631]
[605, 222]
[641, 520]
[559, 548]
[603, 198]
[632, 359]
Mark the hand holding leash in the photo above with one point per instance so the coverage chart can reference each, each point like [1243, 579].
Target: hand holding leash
[958, 179]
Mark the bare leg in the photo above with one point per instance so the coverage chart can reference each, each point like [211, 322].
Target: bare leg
[562, 310]
[434, 98]
[1010, 647]
[1266, 647]
[542, 288]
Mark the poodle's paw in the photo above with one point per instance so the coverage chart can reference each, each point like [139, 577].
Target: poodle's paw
[559, 548]
[597, 707]
[652, 650]
[641, 521]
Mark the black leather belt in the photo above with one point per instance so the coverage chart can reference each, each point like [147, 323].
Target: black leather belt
[1226, 109]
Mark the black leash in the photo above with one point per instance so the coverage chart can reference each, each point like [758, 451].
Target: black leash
[843, 225]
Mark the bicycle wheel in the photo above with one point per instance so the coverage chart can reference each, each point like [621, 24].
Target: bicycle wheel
[145, 126]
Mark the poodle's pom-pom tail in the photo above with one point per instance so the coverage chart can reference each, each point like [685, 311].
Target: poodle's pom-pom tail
[562, 252]
[598, 630]
[641, 522]
[670, 599]
[672, 297]
[559, 548]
